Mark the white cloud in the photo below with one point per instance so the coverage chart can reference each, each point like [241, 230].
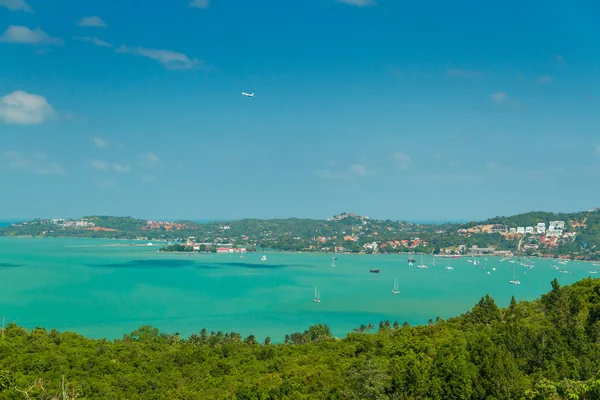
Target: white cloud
[402, 160]
[500, 97]
[121, 167]
[358, 3]
[24, 108]
[150, 158]
[494, 166]
[24, 35]
[358, 169]
[169, 59]
[463, 73]
[99, 165]
[37, 163]
[99, 142]
[94, 21]
[200, 3]
[148, 178]
[15, 5]
[329, 174]
[93, 40]
[107, 183]
[543, 80]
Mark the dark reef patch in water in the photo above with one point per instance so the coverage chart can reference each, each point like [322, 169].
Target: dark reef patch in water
[9, 265]
[150, 264]
[265, 266]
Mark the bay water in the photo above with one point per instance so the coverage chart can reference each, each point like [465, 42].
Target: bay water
[106, 288]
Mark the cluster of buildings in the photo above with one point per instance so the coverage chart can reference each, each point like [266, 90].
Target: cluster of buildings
[409, 244]
[61, 223]
[167, 226]
[347, 215]
[554, 229]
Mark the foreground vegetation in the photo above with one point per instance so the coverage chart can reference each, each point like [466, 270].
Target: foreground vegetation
[545, 349]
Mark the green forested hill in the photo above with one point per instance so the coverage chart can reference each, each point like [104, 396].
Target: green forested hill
[352, 233]
[543, 350]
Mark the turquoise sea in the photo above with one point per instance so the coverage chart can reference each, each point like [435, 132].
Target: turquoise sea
[101, 288]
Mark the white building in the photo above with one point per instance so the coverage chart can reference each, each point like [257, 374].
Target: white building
[540, 228]
[554, 233]
[529, 229]
[521, 230]
[556, 225]
[512, 230]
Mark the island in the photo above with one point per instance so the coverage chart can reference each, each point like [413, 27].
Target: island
[544, 234]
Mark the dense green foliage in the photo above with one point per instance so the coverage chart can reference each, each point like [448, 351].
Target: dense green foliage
[546, 349]
[178, 248]
[350, 234]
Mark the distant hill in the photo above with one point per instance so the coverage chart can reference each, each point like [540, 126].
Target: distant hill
[346, 232]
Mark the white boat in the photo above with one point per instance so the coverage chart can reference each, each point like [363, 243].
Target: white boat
[488, 272]
[433, 263]
[592, 272]
[514, 281]
[449, 268]
[395, 290]
[316, 297]
[333, 261]
[421, 265]
[493, 268]
[263, 258]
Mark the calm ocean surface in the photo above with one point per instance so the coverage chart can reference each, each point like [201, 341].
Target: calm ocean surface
[100, 290]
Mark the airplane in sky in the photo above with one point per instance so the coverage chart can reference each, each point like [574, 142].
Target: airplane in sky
[247, 94]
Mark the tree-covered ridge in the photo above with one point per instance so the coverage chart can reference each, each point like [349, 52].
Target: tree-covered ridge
[344, 233]
[545, 349]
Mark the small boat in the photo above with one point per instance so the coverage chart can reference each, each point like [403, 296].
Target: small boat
[333, 261]
[316, 297]
[493, 268]
[395, 290]
[514, 281]
[489, 272]
[449, 268]
[592, 272]
[421, 265]
[374, 271]
[263, 258]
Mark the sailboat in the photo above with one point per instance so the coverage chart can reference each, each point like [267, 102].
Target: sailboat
[316, 297]
[395, 290]
[333, 261]
[410, 260]
[433, 264]
[421, 265]
[514, 281]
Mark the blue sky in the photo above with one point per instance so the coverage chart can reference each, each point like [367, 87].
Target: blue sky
[391, 109]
